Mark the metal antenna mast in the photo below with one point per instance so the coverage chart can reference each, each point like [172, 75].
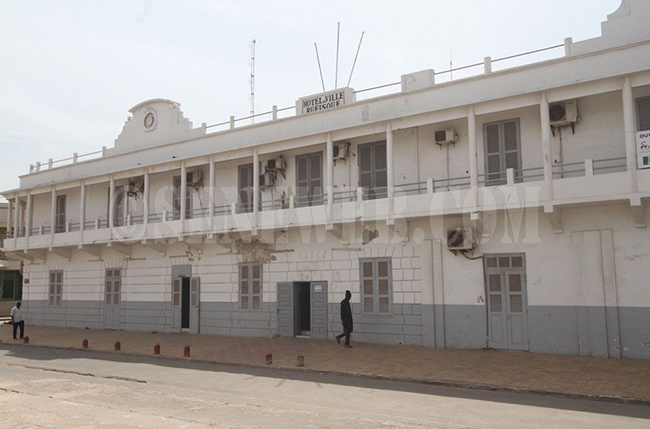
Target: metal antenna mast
[319, 67]
[336, 73]
[252, 81]
[355, 58]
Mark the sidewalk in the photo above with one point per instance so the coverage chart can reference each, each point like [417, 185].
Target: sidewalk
[575, 376]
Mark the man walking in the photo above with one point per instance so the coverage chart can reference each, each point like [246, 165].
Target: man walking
[17, 320]
[346, 319]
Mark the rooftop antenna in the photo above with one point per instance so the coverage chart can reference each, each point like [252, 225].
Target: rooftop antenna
[319, 67]
[252, 81]
[336, 73]
[355, 58]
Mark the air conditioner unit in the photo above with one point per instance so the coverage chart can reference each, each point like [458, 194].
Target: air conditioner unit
[267, 179]
[564, 113]
[136, 186]
[341, 151]
[277, 164]
[194, 179]
[445, 136]
[460, 239]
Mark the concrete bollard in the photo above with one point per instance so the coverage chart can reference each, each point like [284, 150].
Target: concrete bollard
[269, 358]
[26, 340]
[186, 351]
[118, 346]
[156, 349]
[301, 360]
[84, 343]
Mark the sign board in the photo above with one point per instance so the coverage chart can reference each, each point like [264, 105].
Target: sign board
[325, 101]
[318, 288]
[643, 149]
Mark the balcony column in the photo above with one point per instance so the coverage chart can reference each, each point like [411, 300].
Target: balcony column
[473, 154]
[28, 215]
[111, 204]
[183, 195]
[211, 197]
[547, 150]
[16, 217]
[630, 135]
[9, 207]
[330, 176]
[53, 215]
[256, 188]
[82, 211]
[145, 200]
[390, 180]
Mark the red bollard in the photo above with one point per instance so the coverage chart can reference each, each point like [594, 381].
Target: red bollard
[186, 351]
[84, 343]
[118, 346]
[269, 358]
[301, 360]
[26, 340]
[156, 349]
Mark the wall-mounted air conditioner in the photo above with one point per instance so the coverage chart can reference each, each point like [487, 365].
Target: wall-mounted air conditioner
[460, 239]
[276, 165]
[341, 151]
[268, 179]
[194, 179]
[445, 136]
[136, 186]
[564, 114]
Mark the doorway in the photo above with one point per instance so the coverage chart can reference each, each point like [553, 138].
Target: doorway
[185, 297]
[505, 279]
[185, 303]
[302, 309]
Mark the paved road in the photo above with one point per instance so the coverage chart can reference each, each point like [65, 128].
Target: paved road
[60, 388]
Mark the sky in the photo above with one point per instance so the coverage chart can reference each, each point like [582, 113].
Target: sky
[70, 70]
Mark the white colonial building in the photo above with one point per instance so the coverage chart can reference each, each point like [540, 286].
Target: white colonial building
[504, 210]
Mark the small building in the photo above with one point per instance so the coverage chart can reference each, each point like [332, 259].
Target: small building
[504, 210]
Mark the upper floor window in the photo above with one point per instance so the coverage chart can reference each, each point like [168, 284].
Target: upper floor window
[309, 179]
[59, 219]
[245, 188]
[502, 151]
[643, 112]
[373, 170]
[376, 285]
[56, 287]
[250, 286]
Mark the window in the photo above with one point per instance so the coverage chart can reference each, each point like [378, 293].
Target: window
[643, 112]
[10, 285]
[502, 151]
[376, 285]
[118, 209]
[177, 198]
[373, 170]
[309, 179]
[245, 188]
[56, 287]
[59, 219]
[250, 286]
[113, 286]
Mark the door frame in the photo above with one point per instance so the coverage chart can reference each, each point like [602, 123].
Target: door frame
[286, 309]
[505, 300]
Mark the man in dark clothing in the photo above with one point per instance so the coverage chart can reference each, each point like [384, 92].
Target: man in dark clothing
[346, 319]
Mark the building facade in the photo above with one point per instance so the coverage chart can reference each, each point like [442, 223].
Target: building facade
[504, 210]
[10, 271]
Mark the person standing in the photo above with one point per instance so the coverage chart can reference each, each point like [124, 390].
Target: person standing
[17, 320]
[346, 319]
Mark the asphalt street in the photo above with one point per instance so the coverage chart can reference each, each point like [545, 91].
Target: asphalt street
[42, 387]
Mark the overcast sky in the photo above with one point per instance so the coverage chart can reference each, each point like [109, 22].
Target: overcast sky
[70, 70]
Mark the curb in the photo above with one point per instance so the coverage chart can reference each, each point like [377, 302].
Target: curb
[426, 381]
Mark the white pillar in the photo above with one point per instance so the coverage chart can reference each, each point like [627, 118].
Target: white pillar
[145, 199]
[389, 169]
[256, 186]
[630, 137]
[9, 212]
[16, 217]
[53, 214]
[329, 153]
[473, 151]
[82, 209]
[111, 203]
[547, 150]
[28, 216]
[211, 197]
[183, 195]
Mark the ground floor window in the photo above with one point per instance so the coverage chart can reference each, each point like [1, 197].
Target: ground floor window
[56, 287]
[376, 285]
[10, 285]
[250, 286]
